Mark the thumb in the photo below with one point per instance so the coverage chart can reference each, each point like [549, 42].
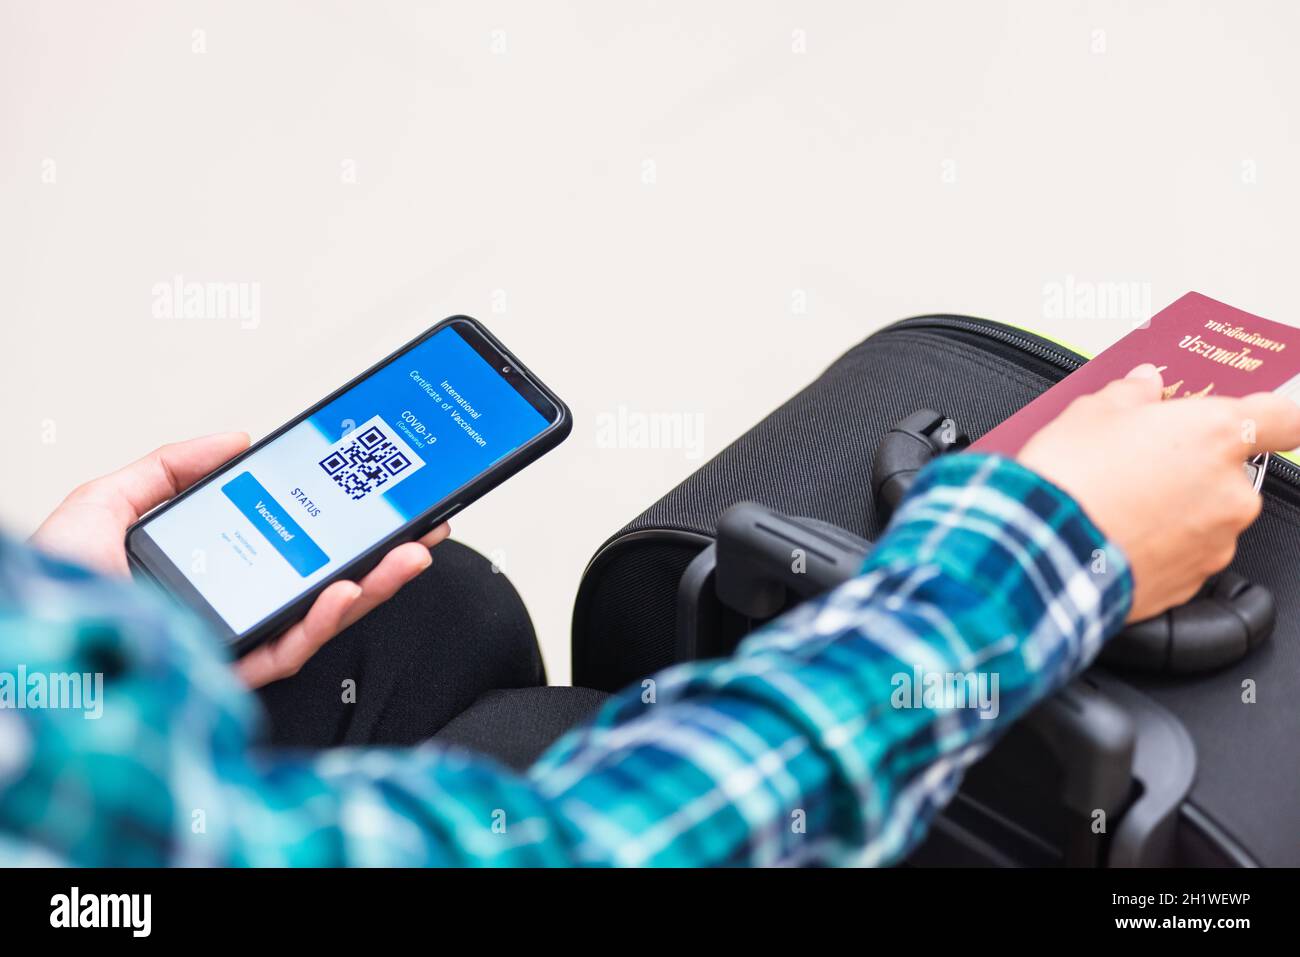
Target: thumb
[1146, 371]
[1142, 385]
[170, 470]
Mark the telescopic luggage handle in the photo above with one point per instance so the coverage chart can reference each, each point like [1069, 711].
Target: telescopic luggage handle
[1224, 621]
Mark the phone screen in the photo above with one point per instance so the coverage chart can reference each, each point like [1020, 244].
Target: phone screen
[385, 451]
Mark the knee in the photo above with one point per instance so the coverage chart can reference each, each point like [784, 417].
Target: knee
[476, 603]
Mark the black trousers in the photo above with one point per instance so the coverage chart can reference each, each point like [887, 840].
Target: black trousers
[405, 670]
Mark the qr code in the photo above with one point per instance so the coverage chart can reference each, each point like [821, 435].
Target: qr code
[369, 458]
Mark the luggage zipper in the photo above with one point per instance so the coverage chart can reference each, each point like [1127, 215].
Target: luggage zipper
[1066, 360]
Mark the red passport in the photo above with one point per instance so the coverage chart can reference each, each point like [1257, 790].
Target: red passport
[1204, 348]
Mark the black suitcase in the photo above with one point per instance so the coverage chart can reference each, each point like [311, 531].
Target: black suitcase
[1161, 754]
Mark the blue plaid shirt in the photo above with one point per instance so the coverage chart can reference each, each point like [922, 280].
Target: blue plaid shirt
[832, 736]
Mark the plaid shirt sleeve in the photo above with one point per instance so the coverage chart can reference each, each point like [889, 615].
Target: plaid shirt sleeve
[832, 736]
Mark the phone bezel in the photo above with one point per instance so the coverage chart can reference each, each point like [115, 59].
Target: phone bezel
[146, 558]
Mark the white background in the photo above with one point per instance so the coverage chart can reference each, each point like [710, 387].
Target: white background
[649, 188]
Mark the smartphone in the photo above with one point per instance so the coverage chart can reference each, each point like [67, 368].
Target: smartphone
[389, 456]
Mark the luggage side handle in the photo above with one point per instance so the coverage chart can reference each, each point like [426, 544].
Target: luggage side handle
[1220, 625]
[906, 449]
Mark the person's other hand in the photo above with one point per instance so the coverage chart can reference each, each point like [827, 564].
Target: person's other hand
[1163, 480]
[89, 527]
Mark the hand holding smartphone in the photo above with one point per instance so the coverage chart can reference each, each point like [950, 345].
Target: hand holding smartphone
[381, 461]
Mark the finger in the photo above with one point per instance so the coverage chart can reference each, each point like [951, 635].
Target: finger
[169, 470]
[339, 606]
[439, 534]
[1269, 423]
[287, 654]
[397, 568]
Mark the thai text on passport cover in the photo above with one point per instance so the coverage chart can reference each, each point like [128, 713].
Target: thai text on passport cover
[1205, 347]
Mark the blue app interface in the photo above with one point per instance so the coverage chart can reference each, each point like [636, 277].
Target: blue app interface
[364, 465]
